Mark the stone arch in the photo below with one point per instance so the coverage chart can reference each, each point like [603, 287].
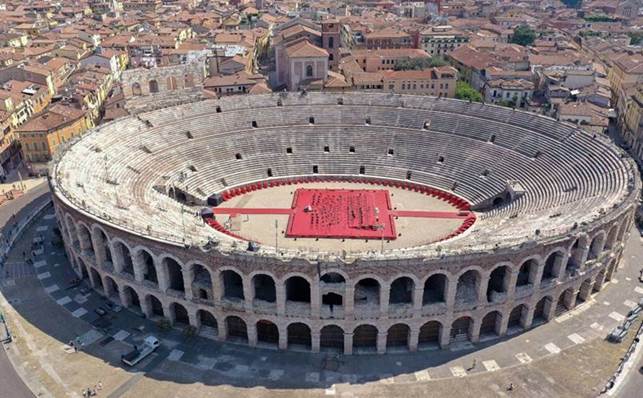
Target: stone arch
[132, 300]
[111, 287]
[85, 238]
[576, 255]
[155, 306]
[136, 89]
[95, 276]
[365, 337]
[71, 230]
[541, 310]
[264, 288]
[518, 317]
[153, 86]
[462, 329]
[491, 324]
[553, 266]
[179, 314]
[584, 291]
[367, 292]
[267, 332]
[398, 336]
[467, 288]
[201, 282]
[612, 237]
[123, 256]
[145, 259]
[435, 289]
[299, 335]
[430, 334]
[102, 247]
[333, 277]
[600, 279]
[527, 273]
[236, 329]
[401, 290]
[596, 246]
[498, 285]
[173, 271]
[331, 337]
[566, 301]
[207, 322]
[297, 289]
[232, 283]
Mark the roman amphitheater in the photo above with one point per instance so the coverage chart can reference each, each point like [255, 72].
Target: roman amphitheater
[363, 223]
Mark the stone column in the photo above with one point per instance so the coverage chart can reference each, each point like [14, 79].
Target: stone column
[281, 298]
[169, 314]
[445, 334]
[139, 267]
[381, 342]
[100, 250]
[549, 309]
[125, 300]
[217, 288]
[504, 323]
[538, 275]
[315, 335]
[452, 288]
[109, 291]
[187, 273]
[475, 330]
[248, 293]
[252, 333]
[384, 297]
[570, 300]
[418, 294]
[283, 338]
[315, 301]
[510, 284]
[117, 260]
[348, 343]
[482, 288]
[349, 306]
[193, 319]
[145, 307]
[413, 339]
[161, 274]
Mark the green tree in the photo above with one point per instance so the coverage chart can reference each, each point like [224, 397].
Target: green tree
[635, 38]
[573, 3]
[523, 35]
[464, 91]
[420, 63]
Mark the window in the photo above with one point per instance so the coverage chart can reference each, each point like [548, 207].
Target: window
[289, 150]
[279, 103]
[440, 159]
[331, 42]
[315, 169]
[492, 139]
[340, 101]
[254, 123]
[309, 71]
[390, 152]
[311, 120]
[330, 57]
[218, 109]
[192, 168]
[327, 149]
[351, 149]
[269, 172]
[238, 156]
[408, 175]
[362, 170]
[427, 124]
[368, 120]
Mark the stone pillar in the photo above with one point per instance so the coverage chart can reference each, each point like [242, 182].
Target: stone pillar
[248, 293]
[475, 329]
[125, 300]
[600, 279]
[538, 275]
[161, 274]
[187, 273]
[283, 338]
[349, 306]
[504, 323]
[281, 298]
[510, 284]
[452, 288]
[315, 300]
[169, 314]
[348, 343]
[418, 295]
[117, 260]
[445, 334]
[585, 290]
[381, 341]
[100, 250]
[139, 267]
[217, 288]
[252, 333]
[109, 291]
[193, 319]
[549, 309]
[145, 307]
[528, 318]
[413, 339]
[570, 300]
[92, 281]
[385, 292]
[482, 288]
[315, 335]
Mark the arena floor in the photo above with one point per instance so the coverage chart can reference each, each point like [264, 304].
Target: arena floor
[417, 218]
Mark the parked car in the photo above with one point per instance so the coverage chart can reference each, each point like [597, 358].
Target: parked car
[135, 356]
[100, 311]
[617, 334]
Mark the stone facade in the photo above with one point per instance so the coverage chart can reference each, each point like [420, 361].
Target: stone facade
[142, 81]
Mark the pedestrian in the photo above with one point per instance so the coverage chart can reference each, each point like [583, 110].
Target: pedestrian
[511, 387]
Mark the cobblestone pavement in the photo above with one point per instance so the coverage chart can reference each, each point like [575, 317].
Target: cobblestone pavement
[566, 357]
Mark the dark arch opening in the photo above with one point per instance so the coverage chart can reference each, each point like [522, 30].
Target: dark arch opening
[402, 291]
[232, 285]
[434, 289]
[299, 335]
[332, 338]
[174, 275]
[237, 330]
[267, 332]
[297, 289]
[365, 337]
[398, 336]
[490, 325]
[264, 287]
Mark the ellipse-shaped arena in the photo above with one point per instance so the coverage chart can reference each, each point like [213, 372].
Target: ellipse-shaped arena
[354, 222]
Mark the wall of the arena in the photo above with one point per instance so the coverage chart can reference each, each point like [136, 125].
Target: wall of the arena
[361, 307]
[141, 81]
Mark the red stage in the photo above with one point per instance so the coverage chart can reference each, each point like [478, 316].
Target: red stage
[341, 213]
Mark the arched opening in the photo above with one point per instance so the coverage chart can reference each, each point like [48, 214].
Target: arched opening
[171, 83]
[155, 306]
[125, 258]
[236, 329]
[467, 290]
[95, 276]
[517, 317]
[402, 291]
[596, 247]
[332, 278]
[584, 291]
[600, 279]
[331, 338]
[208, 323]
[267, 332]
[552, 267]
[154, 86]
[309, 71]
[111, 288]
[104, 251]
[174, 274]
[297, 289]
[527, 273]
[490, 325]
[497, 287]
[201, 283]
[136, 89]
[86, 239]
[232, 285]
[264, 287]
[365, 338]
[398, 336]
[611, 238]
[180, 314]
[149, 269]
[565, 301]
[575, 258]
[332, 300]
[430, 333]
[461, 329]
[73, 233]
[299, 335]
[367, 294]
[434, 289]
[541, 310]
[131, 299]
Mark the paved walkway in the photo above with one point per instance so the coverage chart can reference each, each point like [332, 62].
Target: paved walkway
[566, 357]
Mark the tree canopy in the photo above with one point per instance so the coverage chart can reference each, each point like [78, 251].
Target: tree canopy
[420, 63]
[523, 35]
[464, 91]
[572, 3]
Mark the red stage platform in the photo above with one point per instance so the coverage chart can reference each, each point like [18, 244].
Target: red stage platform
[341, 213]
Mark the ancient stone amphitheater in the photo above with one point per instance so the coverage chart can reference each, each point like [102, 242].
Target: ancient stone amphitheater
[505, 219]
